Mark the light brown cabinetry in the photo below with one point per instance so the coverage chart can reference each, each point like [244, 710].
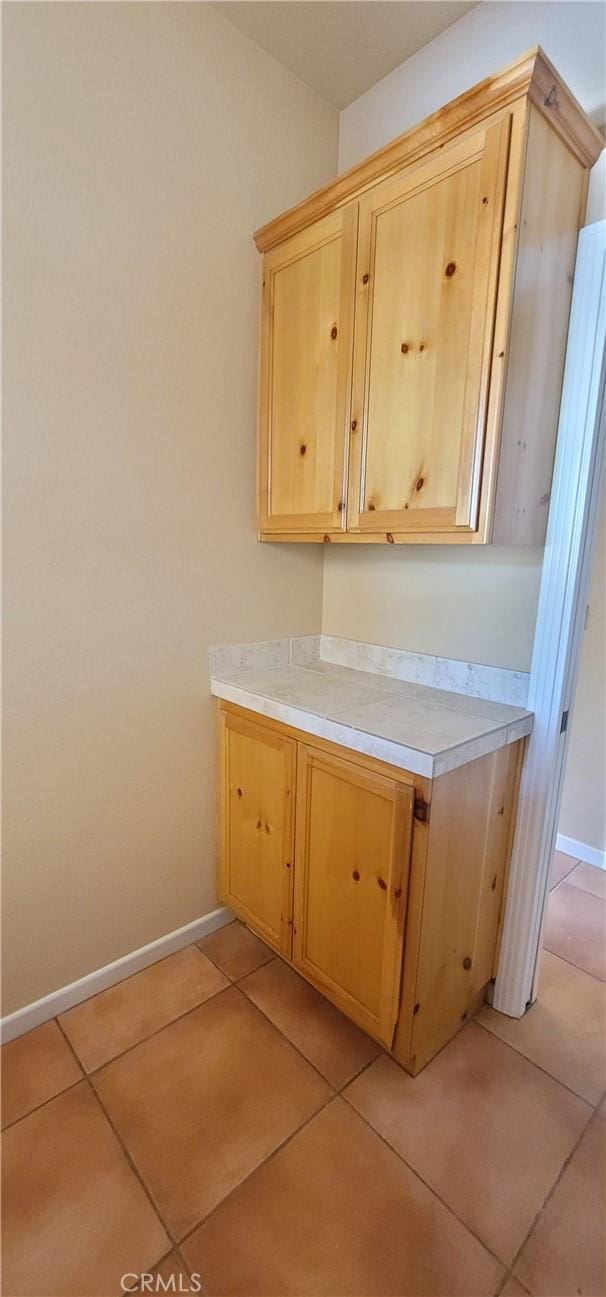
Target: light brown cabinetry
[308, 288]
[410, 381]
[383, 888]
[257, 778]
[354, 831]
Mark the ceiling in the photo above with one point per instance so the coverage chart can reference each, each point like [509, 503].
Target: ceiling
[342, 47]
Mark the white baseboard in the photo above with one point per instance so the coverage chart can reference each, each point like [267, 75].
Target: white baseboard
[32, 1015]
[581, 851]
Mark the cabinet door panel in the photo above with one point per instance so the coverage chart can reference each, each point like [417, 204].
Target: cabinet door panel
[429, 246]
[306, 356]
[351, 875]
[257, 827]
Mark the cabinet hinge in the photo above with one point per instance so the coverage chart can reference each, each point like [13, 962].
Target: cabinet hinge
[564, 722]
[421, 810]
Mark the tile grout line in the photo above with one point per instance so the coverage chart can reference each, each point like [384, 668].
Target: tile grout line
[156, 1032]
[125, 1153]
[557, 954]
[425, 1183]
[564, 877]
[335, 1088]
[270, 1157]
[519, 1053]
[45, 1102]
[549, 1195]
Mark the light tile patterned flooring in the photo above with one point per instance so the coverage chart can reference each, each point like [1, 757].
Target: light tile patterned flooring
[214, 1115]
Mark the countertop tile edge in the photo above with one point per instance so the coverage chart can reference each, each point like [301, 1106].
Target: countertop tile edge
[395, 754]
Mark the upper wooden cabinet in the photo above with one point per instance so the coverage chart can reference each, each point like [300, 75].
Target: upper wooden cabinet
[308, 290]
[414, 326]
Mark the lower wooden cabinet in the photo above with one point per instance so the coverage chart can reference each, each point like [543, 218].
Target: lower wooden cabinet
[382, 888]
[352, 854]
[257, 826]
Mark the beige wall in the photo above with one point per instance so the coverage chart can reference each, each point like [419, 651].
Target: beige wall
[143, 143]
[482, 605]
[583, 812]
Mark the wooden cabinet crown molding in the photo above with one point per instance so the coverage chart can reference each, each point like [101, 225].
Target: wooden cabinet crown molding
[531, 76]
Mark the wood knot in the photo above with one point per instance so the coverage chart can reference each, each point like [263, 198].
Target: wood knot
[326, 539]
[371, 506]
[494, 884]
[389, 538]
[398, 893]
[551, 100]
[450, 269]
[382, 884]
[259, 825]
[422, 346]
[365, 279]
[404, 348]
[467, 963]
[484, 201]
[333, 331]
[420, 484]
[239, 792]
[354, 424]
[341, 506]
[356, 876]
[302, 448]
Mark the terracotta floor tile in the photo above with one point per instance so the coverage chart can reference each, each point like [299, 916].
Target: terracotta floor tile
[564, 1031]
[575, 929]
[35, 1067]
[201, 1103]
[329, 1040]
[235, 950]
[484, 1127]
[75, 1218]
[561, 865]
[336, 1212]
[111, 1022]
[590, 879]
[565, 1253]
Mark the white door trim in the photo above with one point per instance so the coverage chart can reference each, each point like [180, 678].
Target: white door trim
[571, 535]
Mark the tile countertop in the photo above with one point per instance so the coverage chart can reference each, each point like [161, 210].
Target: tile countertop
[416, 727]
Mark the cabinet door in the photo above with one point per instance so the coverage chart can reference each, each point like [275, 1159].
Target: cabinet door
[305, 393]
[256, 803]
[428, 259]
[352, 856]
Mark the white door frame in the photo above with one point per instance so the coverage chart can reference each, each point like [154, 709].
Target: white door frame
[571, 535]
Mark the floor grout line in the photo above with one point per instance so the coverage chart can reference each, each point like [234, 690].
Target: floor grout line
[270, 1157]
[549, 1195]
[425, 1183]
[558, 955]
[544, 1070]
[125, 1153]
[45, 1102]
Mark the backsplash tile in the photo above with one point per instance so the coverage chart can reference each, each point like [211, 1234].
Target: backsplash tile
[226, 658]
[494, 684]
